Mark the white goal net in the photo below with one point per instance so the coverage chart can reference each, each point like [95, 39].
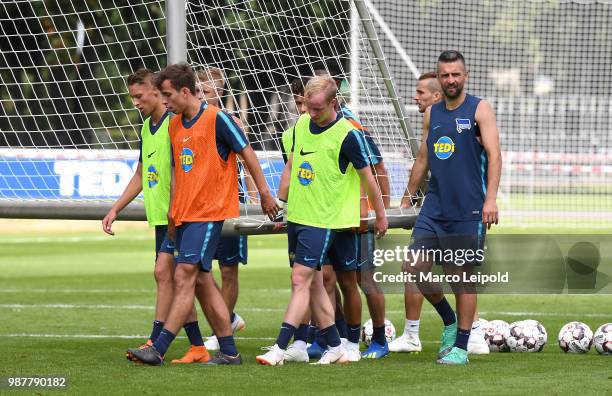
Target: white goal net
[545, 67]
[68, 131]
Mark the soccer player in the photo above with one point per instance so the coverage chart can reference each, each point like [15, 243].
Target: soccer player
[347, 278]
[460, 147]
[374, 297]
[428, 92]
[232, 250]
[307, 332]
[204, 193]
[155, 143]
[322, 181]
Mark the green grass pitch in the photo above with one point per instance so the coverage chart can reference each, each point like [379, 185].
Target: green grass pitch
[72, 302]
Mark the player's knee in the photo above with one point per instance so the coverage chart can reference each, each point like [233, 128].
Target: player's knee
[416, 267]
[200, 283]
[329, 280]
[162, 274]
[329, 275]
[184, 278]
[329, 286]
[299, 282]
[348, 283]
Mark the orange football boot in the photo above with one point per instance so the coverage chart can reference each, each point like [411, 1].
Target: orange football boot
[195, 354]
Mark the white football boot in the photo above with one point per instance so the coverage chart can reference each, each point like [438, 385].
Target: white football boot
[334, 356]
[406, 343]
[352, 352]
[296, 353]
[274, 357]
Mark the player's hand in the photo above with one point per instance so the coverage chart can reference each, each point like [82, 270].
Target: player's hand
[280, 221]
[107, 222]
[269, 205]
[490, 213]
[381, 226]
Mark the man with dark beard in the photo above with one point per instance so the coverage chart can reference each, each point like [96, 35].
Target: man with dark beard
[460, 147]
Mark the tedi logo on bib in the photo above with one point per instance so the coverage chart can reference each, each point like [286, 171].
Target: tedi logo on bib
[186, 158]
[305, 173]
[444, 148]
[152, 176]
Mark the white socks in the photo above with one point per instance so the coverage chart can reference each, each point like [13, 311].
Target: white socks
[411, 328]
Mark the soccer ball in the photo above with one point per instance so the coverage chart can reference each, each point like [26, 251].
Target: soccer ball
[603, 339]
[526, 336]
[367, 330]
[575, 337]
[496, 332]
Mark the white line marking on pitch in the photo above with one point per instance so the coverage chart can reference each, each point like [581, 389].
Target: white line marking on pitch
[245, 309]
[69, 239]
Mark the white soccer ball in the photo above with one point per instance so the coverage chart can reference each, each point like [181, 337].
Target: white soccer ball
[367, 330]
[575, 337]
[496, 332]
[526, 336]
[603, 339]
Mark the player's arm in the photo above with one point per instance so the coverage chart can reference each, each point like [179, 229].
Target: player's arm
[382, 179]
[171, 224]
[374, 195]
[485, 117]
[283, 189]
[251, 188]
[131, 191]
[268, 204]
[352, 150]
[234, 138]
[378, 169]
[248, 180]
[419, 168]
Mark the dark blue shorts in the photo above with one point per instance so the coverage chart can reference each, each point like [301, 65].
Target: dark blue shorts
[162, 244]
[366, 250]
[197, 243]
[313, 246]
[232, 250]
[343, 252]
[460, 237]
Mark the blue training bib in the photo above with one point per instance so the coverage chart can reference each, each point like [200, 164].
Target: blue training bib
[458, 163]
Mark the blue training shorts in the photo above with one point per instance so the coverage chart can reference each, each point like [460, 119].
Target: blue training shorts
[366, 251]
[444, 235]
[313, 246]
[162, 243]
[197, 243]
[232, 250]
[343, 254]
